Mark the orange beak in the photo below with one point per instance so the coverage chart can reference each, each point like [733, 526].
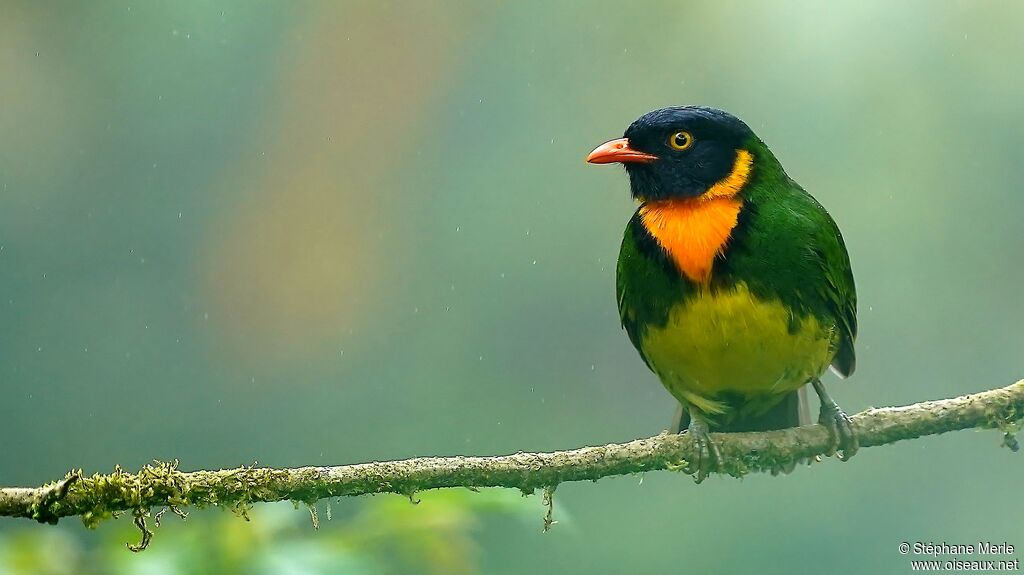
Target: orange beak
[618, 151]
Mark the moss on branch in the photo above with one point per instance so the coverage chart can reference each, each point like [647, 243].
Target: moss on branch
[162, 484]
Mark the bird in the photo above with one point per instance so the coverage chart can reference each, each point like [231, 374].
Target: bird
[733, 283]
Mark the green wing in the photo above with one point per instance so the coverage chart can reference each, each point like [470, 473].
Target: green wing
[812, 268]
[627, 273]
[838, 291]
[647, 285]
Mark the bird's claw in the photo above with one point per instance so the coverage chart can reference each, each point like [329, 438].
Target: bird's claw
[844, 440]
[709, 458]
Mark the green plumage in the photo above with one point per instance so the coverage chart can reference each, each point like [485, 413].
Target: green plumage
[785, 249]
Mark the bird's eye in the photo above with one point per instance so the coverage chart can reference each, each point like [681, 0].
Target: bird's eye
[680, 141]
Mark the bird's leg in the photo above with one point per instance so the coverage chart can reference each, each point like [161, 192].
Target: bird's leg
[709, 458]
[837, 422]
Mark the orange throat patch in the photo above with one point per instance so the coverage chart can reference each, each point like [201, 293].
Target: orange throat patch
[695, 231]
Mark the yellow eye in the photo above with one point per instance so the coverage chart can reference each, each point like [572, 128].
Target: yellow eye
[680, 140]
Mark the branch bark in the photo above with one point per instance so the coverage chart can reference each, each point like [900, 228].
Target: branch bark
[162, 484]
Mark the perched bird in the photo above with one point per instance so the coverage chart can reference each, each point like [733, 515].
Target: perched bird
[733, 283]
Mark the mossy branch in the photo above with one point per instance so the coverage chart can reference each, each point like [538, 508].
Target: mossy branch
[164, 485]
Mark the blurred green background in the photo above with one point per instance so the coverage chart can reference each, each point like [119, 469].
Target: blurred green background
[331, 232]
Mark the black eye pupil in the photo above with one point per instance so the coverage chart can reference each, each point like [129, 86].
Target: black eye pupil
[681, 140]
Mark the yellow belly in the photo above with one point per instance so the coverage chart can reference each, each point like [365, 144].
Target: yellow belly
[730, 342]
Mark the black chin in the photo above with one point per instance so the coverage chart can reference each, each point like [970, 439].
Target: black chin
[649, 185]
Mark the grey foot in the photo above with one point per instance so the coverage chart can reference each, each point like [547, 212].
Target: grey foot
[709, 458]
[838, 424]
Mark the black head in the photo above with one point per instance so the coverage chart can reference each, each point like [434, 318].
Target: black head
[677, 152]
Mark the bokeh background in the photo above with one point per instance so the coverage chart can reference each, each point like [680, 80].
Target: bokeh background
[332, 232]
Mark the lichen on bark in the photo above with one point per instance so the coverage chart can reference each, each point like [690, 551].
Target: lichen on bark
[163, 485]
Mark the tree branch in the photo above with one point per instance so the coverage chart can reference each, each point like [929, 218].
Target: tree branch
[164, 485]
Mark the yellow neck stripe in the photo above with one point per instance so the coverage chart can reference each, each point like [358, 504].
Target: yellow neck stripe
[694, 231]
[734, 182]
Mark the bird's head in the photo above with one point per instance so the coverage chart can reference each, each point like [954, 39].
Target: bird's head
[682, 152]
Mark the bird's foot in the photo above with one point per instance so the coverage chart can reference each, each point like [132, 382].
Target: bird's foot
[844, 440]
[709, 458]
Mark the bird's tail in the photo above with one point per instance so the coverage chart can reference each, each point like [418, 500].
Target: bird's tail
[793, 411]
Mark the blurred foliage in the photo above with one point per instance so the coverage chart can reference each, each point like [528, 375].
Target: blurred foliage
[339, 231]
[379, 536]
